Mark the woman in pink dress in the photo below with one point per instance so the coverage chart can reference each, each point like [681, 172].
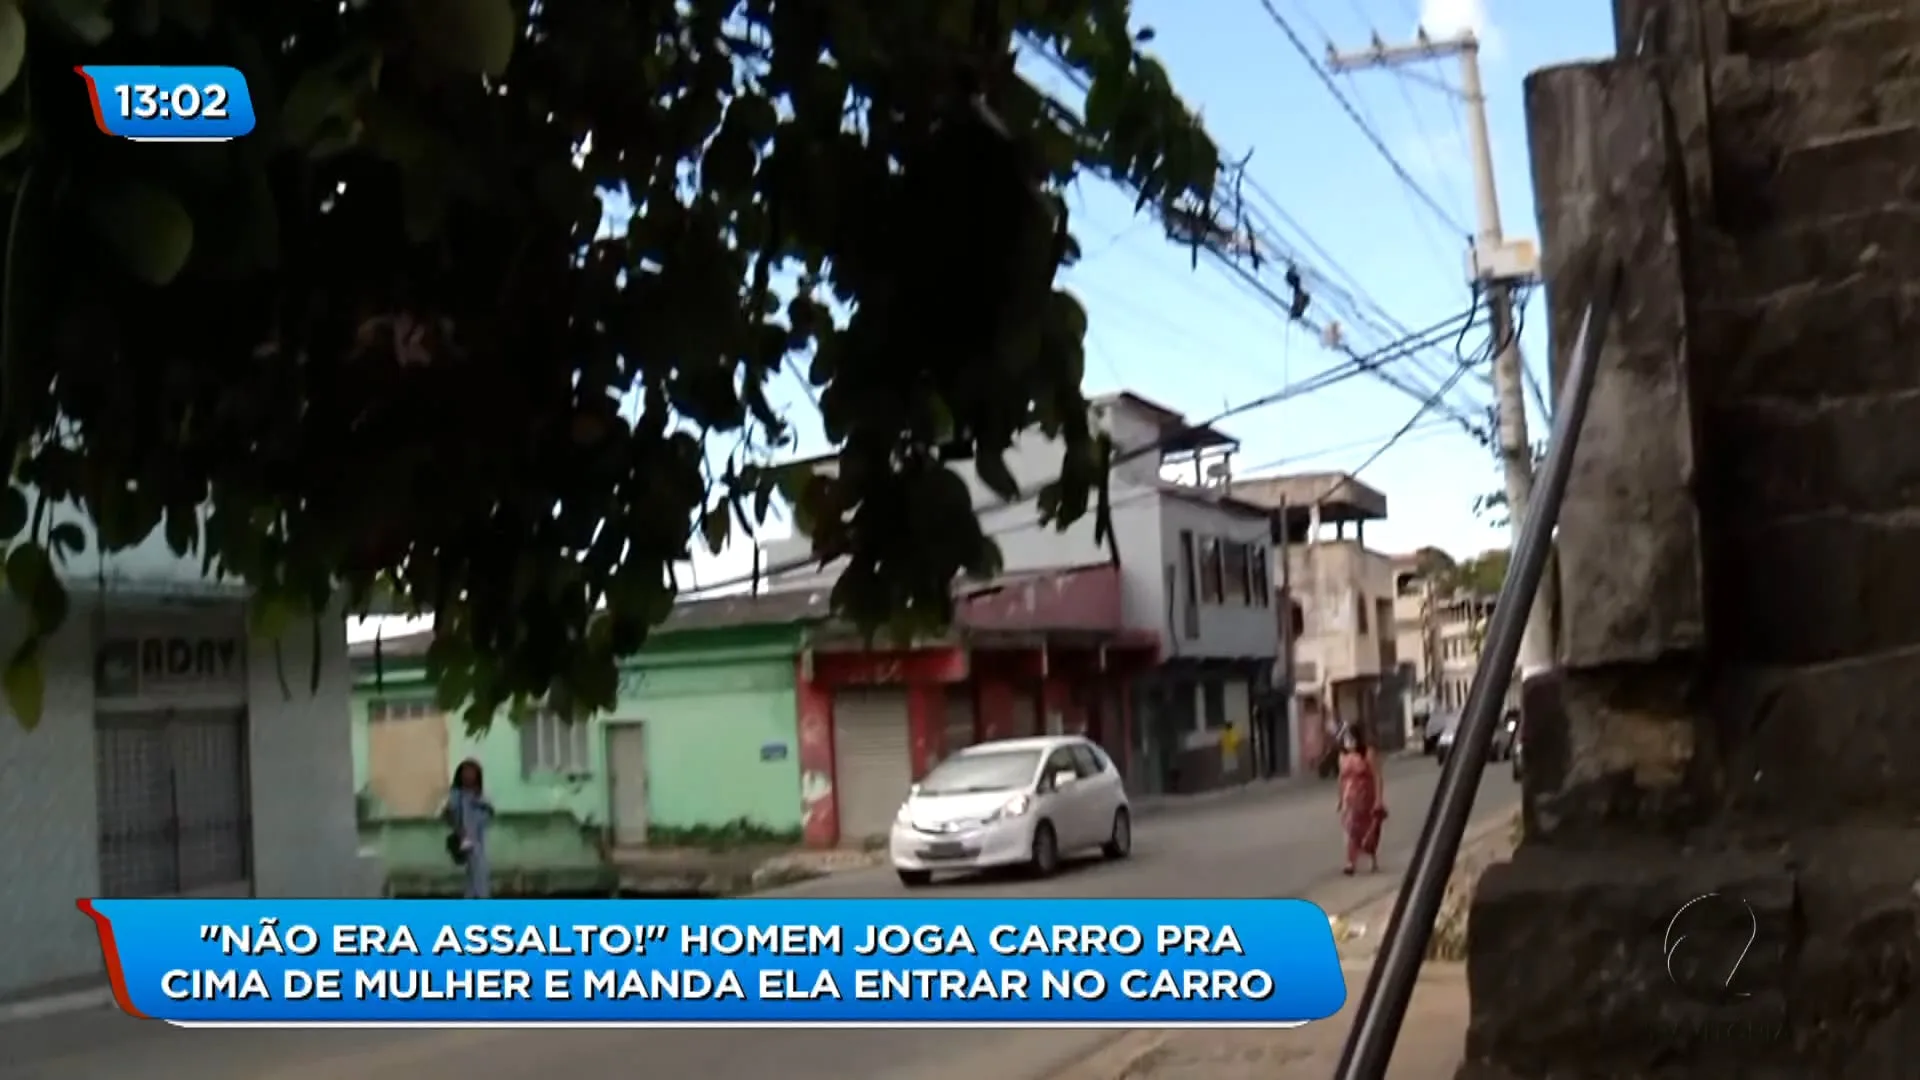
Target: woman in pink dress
[1363, 804]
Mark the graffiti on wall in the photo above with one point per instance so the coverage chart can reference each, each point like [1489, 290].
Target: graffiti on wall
[816, 796]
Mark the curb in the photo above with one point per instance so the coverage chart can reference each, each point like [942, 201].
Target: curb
[1110, 1061]
[40, 1008]
[1117, 1059]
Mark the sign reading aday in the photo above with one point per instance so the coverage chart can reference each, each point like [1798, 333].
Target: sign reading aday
[168, 661]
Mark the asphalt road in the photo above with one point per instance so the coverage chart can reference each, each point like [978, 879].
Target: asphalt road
[1281, 841]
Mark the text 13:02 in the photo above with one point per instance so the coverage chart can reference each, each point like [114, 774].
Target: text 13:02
[185, 102]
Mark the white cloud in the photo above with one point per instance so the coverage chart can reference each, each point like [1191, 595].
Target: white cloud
[1444, 18]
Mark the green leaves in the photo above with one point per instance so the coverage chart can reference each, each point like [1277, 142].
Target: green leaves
[85, 20]
[25, 683]
[13, 512]
[31, 580]
[472, 36]
[386, 345]
[13, 43]
[147, 228]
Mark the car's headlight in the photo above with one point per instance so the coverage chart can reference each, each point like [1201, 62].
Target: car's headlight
[905, 816]
[1013, 808]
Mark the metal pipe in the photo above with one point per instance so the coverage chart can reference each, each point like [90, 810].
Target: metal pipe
[1383, 1005]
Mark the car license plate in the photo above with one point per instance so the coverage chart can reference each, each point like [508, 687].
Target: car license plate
[944, 850]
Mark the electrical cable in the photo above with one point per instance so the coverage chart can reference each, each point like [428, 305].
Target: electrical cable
[1366, 129]
[1426, 146]
[1311, 384]
[1431, 425]
[1412, 421]
[1246, 279]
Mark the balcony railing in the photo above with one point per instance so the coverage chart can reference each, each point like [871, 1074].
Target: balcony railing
[1383, 1006]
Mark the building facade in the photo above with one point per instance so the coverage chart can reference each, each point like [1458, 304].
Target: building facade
[700, 749]
[1346, 658]
[178, 754]
[1194, 589]
[1441, 631]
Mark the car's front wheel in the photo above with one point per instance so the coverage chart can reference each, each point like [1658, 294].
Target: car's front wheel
[1045, 856]
[915, 879]
[1120, 841]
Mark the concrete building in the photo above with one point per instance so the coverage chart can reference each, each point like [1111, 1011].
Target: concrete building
[701, 748]
[1195, 583]
[1738, 555]
[178, 754]
[1458, 629]
[1346, 656]
[1415, 643]
[1440, 632]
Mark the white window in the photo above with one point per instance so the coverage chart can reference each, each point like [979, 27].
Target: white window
[552, 744]
[381, 710]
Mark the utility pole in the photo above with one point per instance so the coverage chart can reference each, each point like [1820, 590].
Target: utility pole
[1497, 268]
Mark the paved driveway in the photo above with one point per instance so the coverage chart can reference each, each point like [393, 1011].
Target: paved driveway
[1279, 842]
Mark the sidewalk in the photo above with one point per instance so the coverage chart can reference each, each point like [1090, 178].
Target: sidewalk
[1429, 1047]
[1431, 1040]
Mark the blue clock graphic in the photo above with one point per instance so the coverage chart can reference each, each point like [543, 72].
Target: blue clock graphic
[170, 103]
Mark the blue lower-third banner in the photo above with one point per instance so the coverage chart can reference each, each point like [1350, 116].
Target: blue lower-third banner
[720, 963]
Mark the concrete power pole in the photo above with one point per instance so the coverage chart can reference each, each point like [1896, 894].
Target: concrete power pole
[1497, 268]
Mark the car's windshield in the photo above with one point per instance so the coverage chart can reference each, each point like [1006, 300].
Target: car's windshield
[982, 771]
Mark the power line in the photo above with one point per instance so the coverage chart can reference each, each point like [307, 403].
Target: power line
[1413, 420]
[1431, 425]
[1245, 279]
[1311, 384]
[1359, 121]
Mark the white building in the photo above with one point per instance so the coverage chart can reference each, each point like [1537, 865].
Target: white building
[170, 759]
[1197, 573]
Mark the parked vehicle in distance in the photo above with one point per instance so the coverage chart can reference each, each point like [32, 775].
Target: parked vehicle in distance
[1506, 739]
[1506, 735]
[1443, 737]
[1013, 802]
[1439, 723]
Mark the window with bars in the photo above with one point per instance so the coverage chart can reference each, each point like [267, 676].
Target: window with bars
[381, 710]
[552, 744]
[1234, 560]
[1213, 588]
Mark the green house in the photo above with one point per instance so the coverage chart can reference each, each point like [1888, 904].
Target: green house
[700, 749]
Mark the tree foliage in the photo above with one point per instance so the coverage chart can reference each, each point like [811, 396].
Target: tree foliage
[379, 346]
[1483, 574]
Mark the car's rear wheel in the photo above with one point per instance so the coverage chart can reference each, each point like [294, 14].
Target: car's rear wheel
[1120, 841]
[1045, 857]
[915, 879]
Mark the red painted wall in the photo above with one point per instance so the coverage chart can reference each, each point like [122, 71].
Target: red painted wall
[821, 804]
[927, 725]
[993, 704]
[1087, 598]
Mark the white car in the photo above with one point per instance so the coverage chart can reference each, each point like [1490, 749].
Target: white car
[1016, 802]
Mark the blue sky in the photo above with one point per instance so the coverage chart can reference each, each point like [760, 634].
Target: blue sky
[1192, 340]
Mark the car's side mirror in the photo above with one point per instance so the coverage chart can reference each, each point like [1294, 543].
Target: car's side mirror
[1063, 778]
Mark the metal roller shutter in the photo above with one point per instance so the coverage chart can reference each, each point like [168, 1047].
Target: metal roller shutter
[872, 761]
[960, 717]
[1024, 722]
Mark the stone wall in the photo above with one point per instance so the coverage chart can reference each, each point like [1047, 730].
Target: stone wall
[1737, 715]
